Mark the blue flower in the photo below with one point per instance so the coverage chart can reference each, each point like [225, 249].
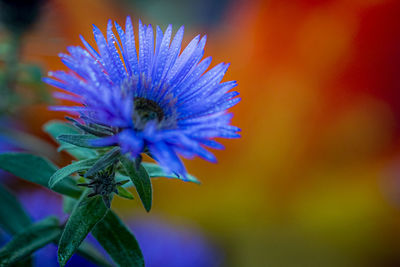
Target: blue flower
[156, 101]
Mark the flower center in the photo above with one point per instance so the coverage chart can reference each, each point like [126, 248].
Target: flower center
[147, 110]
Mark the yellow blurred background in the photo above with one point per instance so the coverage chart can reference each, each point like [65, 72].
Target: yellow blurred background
[315, 178]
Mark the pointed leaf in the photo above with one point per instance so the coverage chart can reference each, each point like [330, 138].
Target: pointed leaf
[63, 173]
[90, 130]
[76, 151]
[141, 180]
[13, 217]
[81, 140]
[37, 170]
[121, 177]
[122, 192]
[56, 128]
[66, 147]
[87, 212]
[106, 160]
[118, 241]
[107, 199]
[68, 204]
[155, 170]
[28, 241]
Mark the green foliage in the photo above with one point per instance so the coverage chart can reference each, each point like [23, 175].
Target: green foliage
[141, 179]
[118, 241]
[37, 170]
[13, 218]
[106, 169]
[29, 240]
[56, 128]
[106, 160]
[95, 130]
[81, 140]
[69, 204]
[87, 212]
[122, 192]
[155, 170]
[63, 173]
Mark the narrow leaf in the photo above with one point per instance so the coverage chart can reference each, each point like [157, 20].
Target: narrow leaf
[121, 178]
[56, 128]
[87, 212]
[81, 140]
[66, 147]
[122, 192]
[106, 160]
[155, 170]
[91, 130]
[141, 180]
[69, 204]
[13, 217]
[118, 241]
[28, 241]
[37, 170]
[63, 173]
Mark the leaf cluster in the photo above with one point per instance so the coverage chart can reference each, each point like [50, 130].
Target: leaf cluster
[89, 212]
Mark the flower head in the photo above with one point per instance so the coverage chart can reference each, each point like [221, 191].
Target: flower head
[156, 100]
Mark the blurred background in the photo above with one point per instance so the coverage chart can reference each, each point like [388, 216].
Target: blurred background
[315, 178]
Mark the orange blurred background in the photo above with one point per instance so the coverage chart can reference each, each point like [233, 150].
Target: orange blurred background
[314, 181]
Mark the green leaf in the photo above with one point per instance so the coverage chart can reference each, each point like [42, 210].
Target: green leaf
[13, 217]
[141, 180]
[81, 140]
[68, 147]
[155, 170]
[122, 192]
[121, 178]
[37, 170]
[96, 131]
[106, 160]
[69, 204]
[28, 241]
[118, 241]
[56, 128]
[63, 173]
[90, 253]
[76, 151]
[28, 142]
[87, 212]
